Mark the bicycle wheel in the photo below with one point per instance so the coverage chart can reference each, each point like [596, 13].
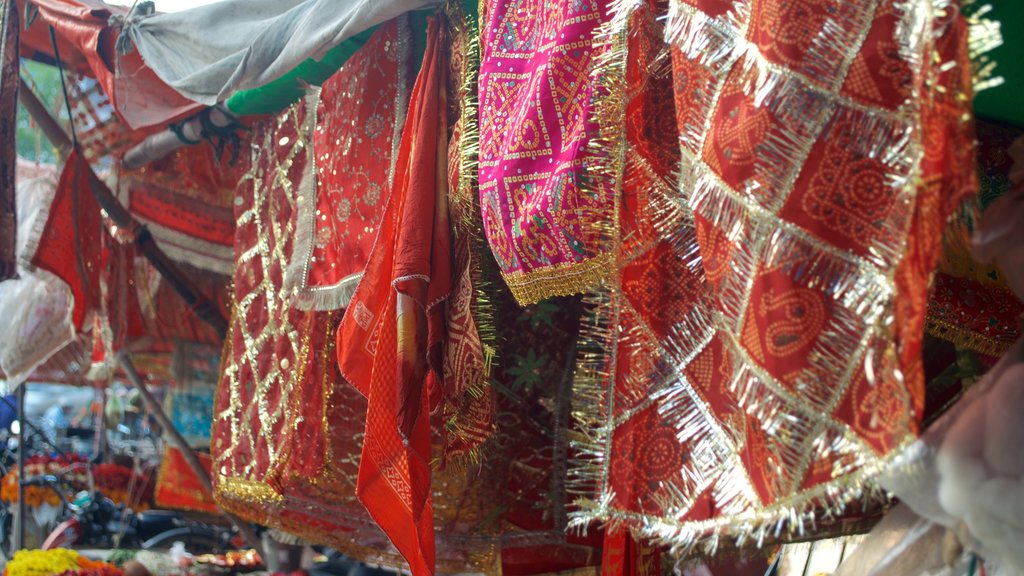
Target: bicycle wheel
[196, 540]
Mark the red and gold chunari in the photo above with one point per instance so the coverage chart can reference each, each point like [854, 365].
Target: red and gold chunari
[358, 115]
[69, 240]
[289, 431]
[756, 356]
[185, 200]
[286, 428]
[178, 487]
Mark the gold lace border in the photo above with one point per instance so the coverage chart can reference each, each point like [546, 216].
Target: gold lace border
[558, 280]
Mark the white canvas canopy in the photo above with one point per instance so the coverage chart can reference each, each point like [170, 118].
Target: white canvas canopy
[210, 52]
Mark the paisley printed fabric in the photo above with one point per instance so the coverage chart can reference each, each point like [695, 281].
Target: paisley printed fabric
[544, 209]
[756, 358]
[359, 113]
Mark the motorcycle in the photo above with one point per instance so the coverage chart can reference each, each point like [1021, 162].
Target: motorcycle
[96, 521]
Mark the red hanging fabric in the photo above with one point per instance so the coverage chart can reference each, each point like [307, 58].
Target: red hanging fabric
[389, 342]
[623, 555]
[69, 245]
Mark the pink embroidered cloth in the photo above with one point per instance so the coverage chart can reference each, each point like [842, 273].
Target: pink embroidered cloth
[544, 211]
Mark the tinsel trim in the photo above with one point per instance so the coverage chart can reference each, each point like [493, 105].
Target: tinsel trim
[863, 285]
[594, 381]
[603, 340]
[793, 518]
[984, 35]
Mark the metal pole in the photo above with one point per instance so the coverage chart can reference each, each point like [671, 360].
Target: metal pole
[99, 429]
[19, 519]
[186, 451]
[46, 122]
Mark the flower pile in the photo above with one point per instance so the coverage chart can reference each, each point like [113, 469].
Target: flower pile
[41, 465]
[87, 567]
[117, 482]
[57, 561]
[41, 562]
[123, 486]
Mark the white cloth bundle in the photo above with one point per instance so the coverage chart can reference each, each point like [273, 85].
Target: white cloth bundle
[35, 308]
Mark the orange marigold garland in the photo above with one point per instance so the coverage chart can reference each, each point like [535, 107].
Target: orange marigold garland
[57, 561]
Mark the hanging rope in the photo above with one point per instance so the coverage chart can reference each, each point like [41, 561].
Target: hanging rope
[125, 22]
[222, 137]
[31, 13]
[64, 86]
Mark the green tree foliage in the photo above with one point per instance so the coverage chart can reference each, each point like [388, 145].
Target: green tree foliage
[32, 145]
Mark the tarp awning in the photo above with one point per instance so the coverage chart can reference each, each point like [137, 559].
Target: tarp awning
[86, 41]
[211, 52]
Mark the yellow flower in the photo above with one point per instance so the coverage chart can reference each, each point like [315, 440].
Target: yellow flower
[41, 562]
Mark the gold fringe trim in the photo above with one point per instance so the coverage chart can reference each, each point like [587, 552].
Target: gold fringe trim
[963, 338]
[464, 203]
[464, 46]
[250, 500]
[559, 280]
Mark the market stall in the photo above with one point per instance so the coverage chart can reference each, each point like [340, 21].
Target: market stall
[730, 286]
